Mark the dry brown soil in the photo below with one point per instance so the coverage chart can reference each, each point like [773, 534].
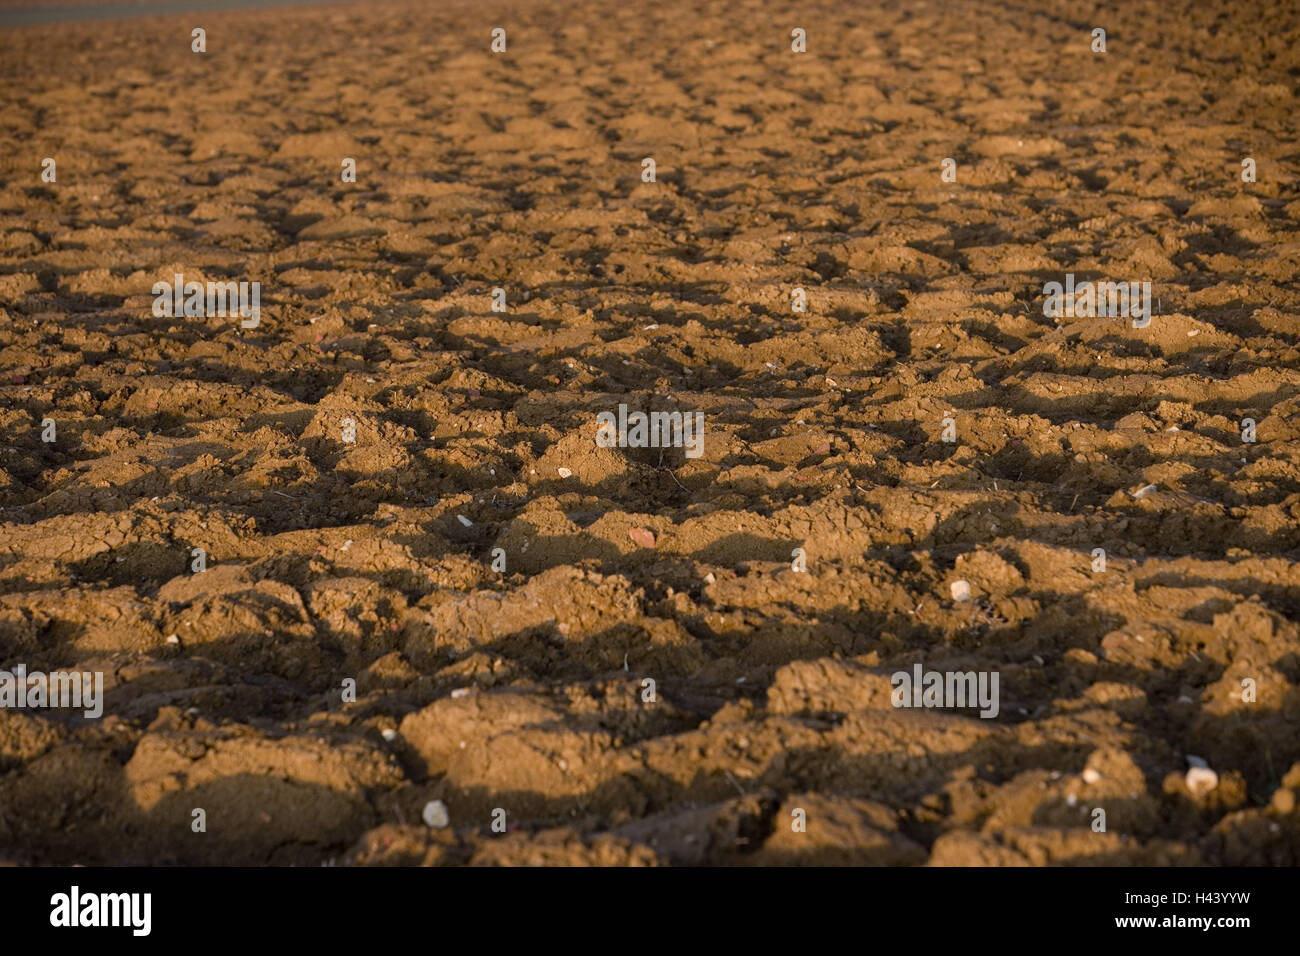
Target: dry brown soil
[522, 690]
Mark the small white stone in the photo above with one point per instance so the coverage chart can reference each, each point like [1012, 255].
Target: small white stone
[460, 692]
[960, 591]
[564, 472]
[1071, 800]
[388, 733]
[435, 814]
[173, 639]
[1201, 780]
[465, 521]
[1090, 775]
[709, 578]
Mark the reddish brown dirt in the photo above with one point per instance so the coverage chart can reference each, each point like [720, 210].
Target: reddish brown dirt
[522, 690]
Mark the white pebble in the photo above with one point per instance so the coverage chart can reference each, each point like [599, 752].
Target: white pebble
[961, 591]
[1201, 780]
[388, 733]
[435, 814]
[173, 639]
[460, 692]
[465, 521]
[564, 472]
[1090, 775]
